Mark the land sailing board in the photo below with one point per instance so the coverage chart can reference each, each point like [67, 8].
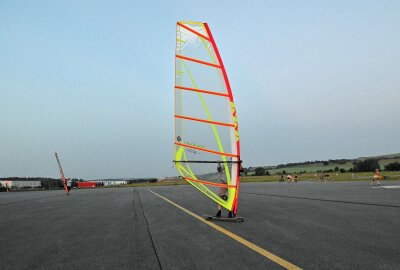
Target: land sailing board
[224, 219]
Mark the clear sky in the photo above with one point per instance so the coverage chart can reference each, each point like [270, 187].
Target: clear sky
[93, 80]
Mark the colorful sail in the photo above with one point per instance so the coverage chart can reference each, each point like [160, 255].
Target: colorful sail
[207, 145]
[63, 180]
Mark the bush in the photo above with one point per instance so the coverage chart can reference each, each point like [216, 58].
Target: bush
[395, 166]
[342, 170]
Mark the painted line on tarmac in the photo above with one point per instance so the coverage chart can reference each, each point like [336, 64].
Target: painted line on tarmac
[387, 187]
[261, 251]
[320, 200]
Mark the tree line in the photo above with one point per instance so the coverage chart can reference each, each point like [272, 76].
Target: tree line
[371, 164]
[368, 165]
[325, 162]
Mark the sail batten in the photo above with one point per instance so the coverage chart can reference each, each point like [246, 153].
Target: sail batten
[209, 183]
[198, 61]
[207, 148]
[207, 161]
[205, 121]
[201, 91]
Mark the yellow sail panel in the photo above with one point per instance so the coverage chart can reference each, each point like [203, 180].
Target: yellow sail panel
[207, 145]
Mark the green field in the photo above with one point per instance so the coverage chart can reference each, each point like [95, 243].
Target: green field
[320, 167]
[313, 173]
[365, 176]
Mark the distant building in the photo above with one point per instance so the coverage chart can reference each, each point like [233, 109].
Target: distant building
[119, 182]
[111, 182]
[20, 184]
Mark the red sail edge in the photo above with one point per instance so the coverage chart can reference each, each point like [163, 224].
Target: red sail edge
[228, 87]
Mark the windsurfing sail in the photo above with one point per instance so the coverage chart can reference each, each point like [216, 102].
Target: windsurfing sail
[64, 182]
[207, 145]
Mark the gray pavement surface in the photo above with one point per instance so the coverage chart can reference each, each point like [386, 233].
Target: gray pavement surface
[314, 225]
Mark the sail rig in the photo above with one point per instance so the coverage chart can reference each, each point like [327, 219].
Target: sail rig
[62, 173]
[206, 127]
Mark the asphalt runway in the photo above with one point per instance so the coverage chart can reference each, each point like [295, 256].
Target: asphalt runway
[308, 225]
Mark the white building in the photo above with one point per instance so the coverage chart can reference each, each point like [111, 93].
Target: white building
[20, 184]
[111, 182]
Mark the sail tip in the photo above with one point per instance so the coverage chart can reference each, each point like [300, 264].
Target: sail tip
[190, 22]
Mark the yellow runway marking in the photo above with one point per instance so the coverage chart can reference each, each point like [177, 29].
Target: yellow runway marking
[241, 240]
